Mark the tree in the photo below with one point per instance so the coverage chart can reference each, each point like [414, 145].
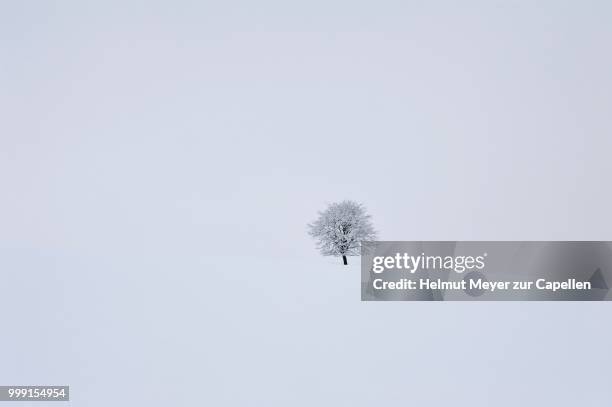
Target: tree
[340, 229]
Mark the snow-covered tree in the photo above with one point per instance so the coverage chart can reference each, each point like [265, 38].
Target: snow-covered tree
[340, 229]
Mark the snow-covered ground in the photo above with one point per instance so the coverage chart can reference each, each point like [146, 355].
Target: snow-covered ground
[280, 331]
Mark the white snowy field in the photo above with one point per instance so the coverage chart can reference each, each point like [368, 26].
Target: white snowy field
[280, 331]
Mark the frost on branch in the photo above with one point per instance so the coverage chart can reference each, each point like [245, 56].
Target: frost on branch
[340, 229]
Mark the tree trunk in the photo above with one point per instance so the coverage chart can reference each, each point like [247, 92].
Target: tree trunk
[344, 260]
